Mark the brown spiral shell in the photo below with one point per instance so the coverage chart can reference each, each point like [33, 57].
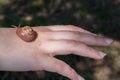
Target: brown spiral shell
[26, 33]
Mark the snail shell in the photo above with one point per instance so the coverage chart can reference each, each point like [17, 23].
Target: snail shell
[26, 33]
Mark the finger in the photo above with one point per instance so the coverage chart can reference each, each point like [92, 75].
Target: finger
[62, 47]
[55, 65]
[68, 28]
[82, 37]
[41, 29]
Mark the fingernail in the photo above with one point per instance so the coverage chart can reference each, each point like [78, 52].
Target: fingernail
[108, 41]
[80, 78]
[102, 54]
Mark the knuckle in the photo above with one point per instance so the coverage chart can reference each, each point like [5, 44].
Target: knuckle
[73, 43]
[44, 35]
[68, 70]
[58, 65]
[71, 26]
[63, 67]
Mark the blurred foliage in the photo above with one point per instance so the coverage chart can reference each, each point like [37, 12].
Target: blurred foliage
[99, 16]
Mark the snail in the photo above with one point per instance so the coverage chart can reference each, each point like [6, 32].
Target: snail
[26, 33]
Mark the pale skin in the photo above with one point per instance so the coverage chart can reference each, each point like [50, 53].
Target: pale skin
[17, 55]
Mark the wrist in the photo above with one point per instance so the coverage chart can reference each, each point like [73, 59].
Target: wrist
[13, 50]
[8, 46]
[6, 36]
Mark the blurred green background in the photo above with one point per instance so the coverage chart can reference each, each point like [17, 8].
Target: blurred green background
[98, 16]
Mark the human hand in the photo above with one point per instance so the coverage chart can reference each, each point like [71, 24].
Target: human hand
[52, 41]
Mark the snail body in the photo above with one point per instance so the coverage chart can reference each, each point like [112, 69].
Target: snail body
[26, 33]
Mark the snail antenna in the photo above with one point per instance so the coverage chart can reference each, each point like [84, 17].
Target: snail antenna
[19, 25]
[14, 26]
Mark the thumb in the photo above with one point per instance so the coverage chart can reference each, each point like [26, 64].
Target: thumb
[55, 65]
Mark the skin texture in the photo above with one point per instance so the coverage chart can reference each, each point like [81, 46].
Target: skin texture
[51, 41]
